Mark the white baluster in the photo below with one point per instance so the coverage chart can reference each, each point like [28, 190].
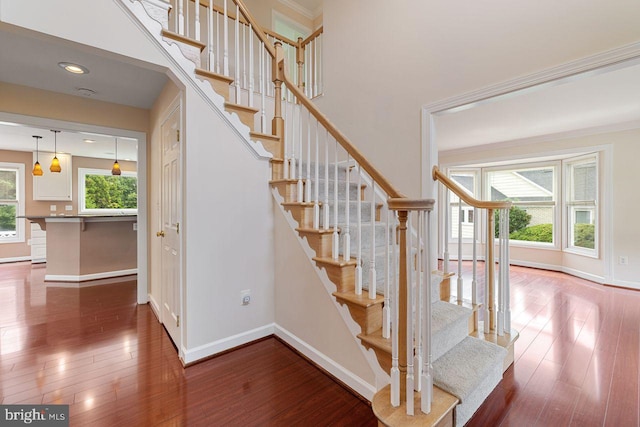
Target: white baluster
[217, 42]
[459, 290]
[307, 189]
[236, 81]
[318, 61]
[300, 157]
[225, 36]
[359, 231]
[316, 184]
[427, 367]
[292, 152]
[315, 69]
[395, 371]
[474, 283]
[336, 238]
[501, 233]
[346, 233]
[372, 262]
[417, 362]
[507, 282]
[447, 221]
[197, 18]
[181, 17]
[487, 266]
[325, 207]
[409, 320]
[251, 82]
[386, 309]
[210, 36]
[263, 116]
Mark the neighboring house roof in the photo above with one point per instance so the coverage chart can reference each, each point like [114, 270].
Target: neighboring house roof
[516, 186]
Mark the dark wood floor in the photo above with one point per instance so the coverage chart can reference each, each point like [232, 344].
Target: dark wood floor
[109, 359]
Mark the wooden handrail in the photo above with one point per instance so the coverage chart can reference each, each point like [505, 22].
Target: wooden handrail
[313, 35]
[455, 188]
[382, 181]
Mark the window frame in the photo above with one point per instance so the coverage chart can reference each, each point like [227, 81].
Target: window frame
[570, 205]
[19, 168]
[476, 173]
[83, 210]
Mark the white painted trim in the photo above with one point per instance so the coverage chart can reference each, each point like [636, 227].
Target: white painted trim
[560, 268]
[212, 348]
[624, 284]
[307, 13]
[87, 277]
[155, 307]
[15, 259]
[86, 284]
[359, 385]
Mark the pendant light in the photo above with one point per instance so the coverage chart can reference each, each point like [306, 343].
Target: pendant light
[116, 166]
[37, 169]
[55, 163]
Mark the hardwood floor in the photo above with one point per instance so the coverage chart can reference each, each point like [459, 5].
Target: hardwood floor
[576, 362]
[108, 358]
[111, 361]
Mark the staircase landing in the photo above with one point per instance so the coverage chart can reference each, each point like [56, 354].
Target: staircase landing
[441, 415]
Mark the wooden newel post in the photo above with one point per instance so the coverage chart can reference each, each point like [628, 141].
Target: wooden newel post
[403, 283]
[300, 62]
[277, 71]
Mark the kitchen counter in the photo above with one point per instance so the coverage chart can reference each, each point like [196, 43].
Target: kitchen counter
[82, 248]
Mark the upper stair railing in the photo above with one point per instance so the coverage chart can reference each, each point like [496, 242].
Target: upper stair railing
[455, 199]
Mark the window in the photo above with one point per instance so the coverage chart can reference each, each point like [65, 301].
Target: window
[467, 181]
[581, 201]
[99, 192]
[11, 202]
[531, 189]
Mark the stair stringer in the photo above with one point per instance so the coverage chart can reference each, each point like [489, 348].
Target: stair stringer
[185, 69]
[381, 377]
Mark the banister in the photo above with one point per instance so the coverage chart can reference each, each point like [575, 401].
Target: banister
[313, 35]
[471, 201]
[405, 204]
[341, 138]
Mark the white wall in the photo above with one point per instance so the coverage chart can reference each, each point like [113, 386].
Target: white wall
[385, 60]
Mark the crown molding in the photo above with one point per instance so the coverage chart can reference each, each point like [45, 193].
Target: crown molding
[307, 13]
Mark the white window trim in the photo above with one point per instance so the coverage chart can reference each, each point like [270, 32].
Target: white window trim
[20, 194]
[82, 172]
[566, 219]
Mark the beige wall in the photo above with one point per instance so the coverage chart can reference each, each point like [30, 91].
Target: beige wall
[618, 174]
[262, 12]
[35, 207]
[383, 62]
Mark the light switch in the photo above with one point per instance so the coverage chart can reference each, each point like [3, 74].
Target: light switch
[68, 208]
[53, 208]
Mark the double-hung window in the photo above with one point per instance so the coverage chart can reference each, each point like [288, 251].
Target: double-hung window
[11, 202]
[461, 214]
[581, 204]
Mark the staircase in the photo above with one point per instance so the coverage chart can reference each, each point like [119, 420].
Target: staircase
[372, 242]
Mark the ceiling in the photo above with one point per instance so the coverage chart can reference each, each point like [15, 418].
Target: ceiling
[110, 79]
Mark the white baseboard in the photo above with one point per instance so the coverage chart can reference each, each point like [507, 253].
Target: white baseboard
[360, 386]
[212, 348]
[87, 277]
[14, 259]
[155, 307]
[625, 284]
[86, 284]
[563, 269]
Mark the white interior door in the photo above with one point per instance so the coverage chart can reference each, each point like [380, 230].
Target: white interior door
[171, 208]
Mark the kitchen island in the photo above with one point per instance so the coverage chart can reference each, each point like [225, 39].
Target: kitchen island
[83, 248]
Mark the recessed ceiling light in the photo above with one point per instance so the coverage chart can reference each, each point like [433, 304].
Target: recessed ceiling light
[89, 141]
[73, 68]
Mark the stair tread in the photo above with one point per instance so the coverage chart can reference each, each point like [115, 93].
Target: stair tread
[340, 262]
[206, 73]
[241, 107]
[303, 204]
[464, 303]
[183, 39]
[376, 340]
[284, 180]
[455, 372]
[361, 300]
[313, 231]
[264, 136]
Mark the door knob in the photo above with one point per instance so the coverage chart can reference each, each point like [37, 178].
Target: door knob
[160, 234]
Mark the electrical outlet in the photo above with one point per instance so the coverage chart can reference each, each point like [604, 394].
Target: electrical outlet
[624, 260]
[68, 207]
[53, 208]
[245, 297]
